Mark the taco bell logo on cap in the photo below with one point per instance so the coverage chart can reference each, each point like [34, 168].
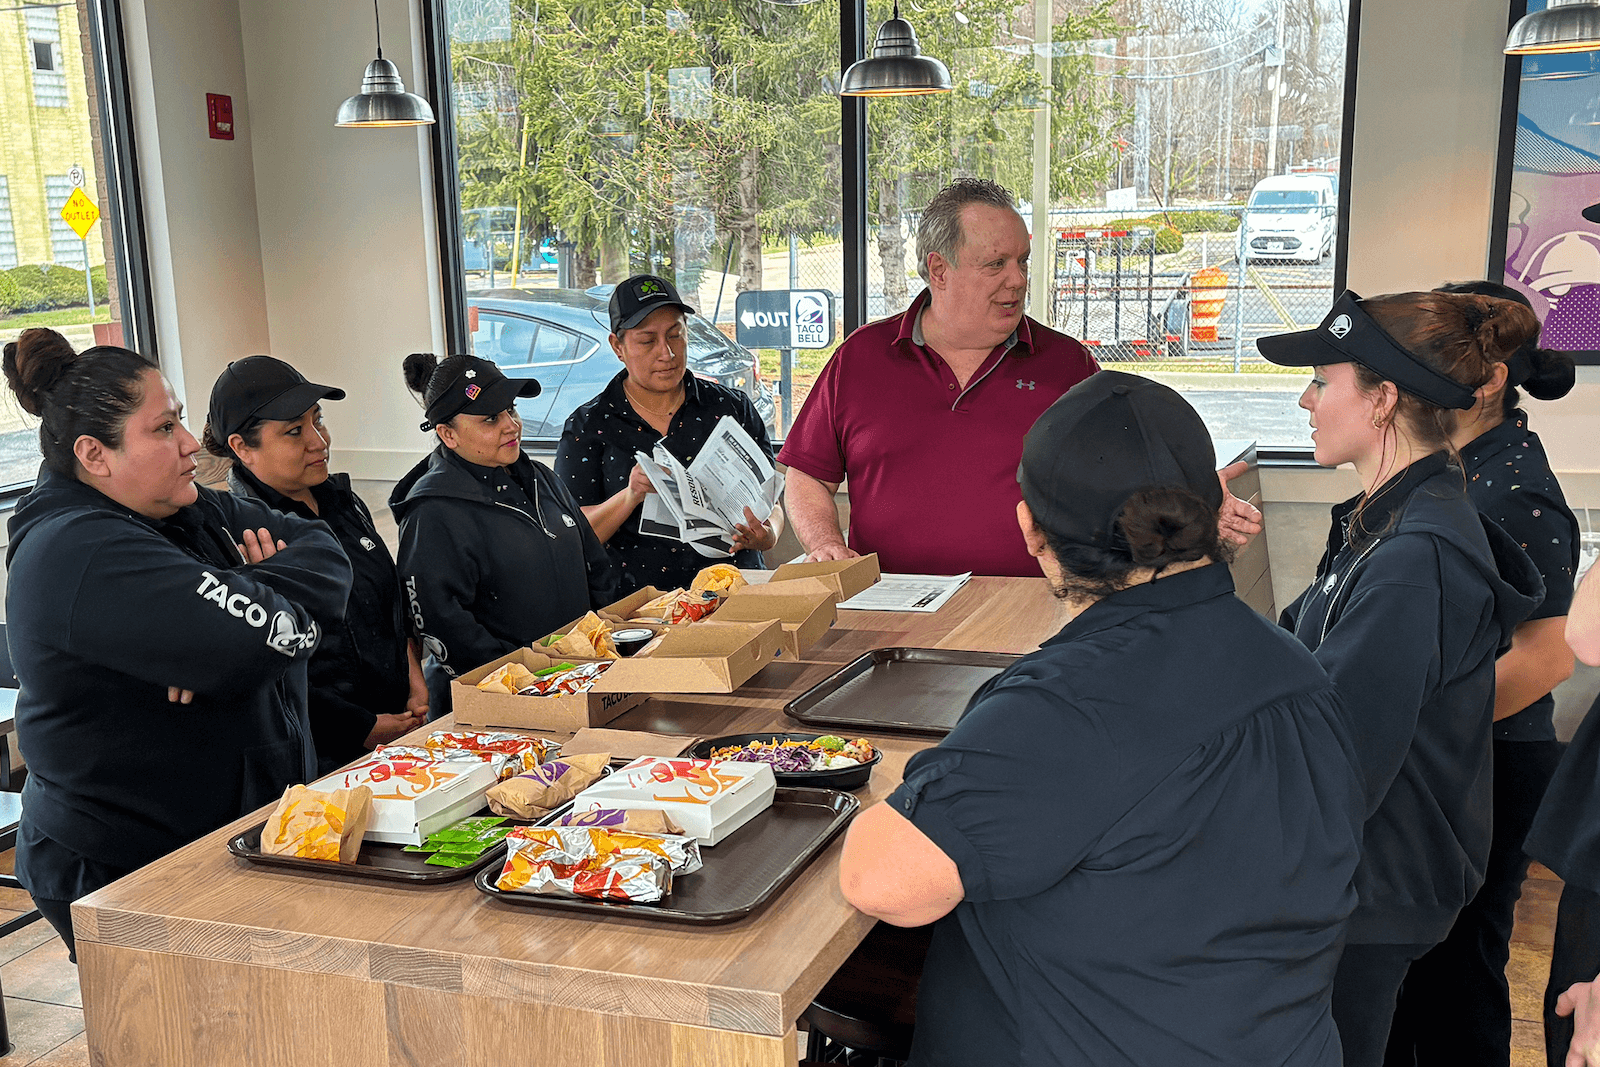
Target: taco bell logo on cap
[1340, 326]
[473, 391]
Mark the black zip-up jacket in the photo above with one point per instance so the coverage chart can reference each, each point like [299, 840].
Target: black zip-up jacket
[105, 610]
[484, 577]
[361, 669]
[1408, 621]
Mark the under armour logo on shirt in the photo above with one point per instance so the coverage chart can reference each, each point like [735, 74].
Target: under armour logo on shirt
[1024, 385]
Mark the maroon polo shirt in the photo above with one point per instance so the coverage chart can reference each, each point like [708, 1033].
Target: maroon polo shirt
[932, 467]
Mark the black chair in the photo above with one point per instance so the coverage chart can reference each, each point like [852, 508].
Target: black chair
[10, 820]
[867, 1012]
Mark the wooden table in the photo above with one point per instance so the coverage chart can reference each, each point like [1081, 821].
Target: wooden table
[206, 960]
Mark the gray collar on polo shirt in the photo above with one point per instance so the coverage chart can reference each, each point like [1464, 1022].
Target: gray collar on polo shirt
[916, 332]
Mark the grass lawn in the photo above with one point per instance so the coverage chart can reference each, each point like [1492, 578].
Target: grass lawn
[77, 316]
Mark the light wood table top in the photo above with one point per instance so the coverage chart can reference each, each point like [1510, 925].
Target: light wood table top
[195, 921]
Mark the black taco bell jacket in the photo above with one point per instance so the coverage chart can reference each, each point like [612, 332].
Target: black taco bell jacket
[484, 577]
[1408, 624]
[106, 609]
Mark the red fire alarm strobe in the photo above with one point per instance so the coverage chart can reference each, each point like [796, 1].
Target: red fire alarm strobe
[219, 110]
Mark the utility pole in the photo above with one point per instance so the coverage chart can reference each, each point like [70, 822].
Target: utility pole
[1275, 60]
[1041, 258]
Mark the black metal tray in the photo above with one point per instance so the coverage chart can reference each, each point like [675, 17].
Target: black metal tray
[377, 860]
[741, 873]
[838, 778]
[899, 691]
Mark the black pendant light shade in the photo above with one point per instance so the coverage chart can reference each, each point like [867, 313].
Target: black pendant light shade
[1564, 26]
[896, 67]
[383, 100]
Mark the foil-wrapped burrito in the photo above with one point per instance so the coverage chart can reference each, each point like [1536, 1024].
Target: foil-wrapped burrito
[593, 863]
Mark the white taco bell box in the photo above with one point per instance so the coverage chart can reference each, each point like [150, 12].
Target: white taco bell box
[710, 799]
[413, 798]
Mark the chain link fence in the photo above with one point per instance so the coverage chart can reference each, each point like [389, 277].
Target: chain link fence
[1192, 286]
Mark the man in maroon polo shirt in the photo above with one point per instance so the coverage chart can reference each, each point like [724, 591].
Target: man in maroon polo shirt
[925, 411]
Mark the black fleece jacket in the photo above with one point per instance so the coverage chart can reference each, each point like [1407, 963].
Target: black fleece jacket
[1408, 621]
[105, 610]
[361, 668]
[483, 576]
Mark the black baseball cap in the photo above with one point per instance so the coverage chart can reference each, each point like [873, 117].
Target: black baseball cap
[471, 385]
[635, 298]
[1348, 335]
[261, 387]
[1107, 438]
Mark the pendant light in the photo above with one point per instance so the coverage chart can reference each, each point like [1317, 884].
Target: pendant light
[897, 66]
[1564, 26]
[383, 100]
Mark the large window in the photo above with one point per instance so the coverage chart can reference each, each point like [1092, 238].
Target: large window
[695, 139]
[1182, 157]
[1190, 176]
[58, 149]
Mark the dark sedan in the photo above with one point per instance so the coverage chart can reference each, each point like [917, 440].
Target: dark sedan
[559, 337]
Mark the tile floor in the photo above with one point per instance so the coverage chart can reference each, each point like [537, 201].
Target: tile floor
[44, 1010]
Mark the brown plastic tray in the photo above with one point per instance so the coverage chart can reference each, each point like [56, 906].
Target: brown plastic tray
[920, 691]
[741, 873]
[377, 860]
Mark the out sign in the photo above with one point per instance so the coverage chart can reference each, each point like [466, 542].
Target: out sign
[784, 318]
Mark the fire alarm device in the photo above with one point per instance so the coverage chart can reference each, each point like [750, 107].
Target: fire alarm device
[219, 110]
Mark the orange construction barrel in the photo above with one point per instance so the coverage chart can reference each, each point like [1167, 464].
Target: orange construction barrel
[1208, 290]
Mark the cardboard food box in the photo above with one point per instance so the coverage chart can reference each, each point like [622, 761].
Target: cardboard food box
[706, 657]
[709, 799]
[805, 607]
[412, 798]
[847, 576]
[567, 712]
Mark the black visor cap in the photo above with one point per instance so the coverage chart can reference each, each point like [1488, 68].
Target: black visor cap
[1349, 335]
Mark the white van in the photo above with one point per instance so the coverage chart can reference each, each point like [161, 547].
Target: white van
[1291, 216]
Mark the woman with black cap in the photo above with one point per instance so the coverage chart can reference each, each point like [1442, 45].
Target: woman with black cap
[494, 551]
[366, 678]
[160, 631]
[653, 400]
[1455, 1006]
[1414, 598]
[1138, 843]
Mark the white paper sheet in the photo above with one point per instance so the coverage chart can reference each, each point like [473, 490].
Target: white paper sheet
[700, 504]
[908, 592]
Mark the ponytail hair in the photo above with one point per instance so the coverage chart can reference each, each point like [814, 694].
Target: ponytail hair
[74, 394]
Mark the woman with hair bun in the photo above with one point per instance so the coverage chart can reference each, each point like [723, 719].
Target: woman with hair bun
[1415, 597]
[366, 686]
[494, 550]
[1137, 844]
[1456, 1005]
[159, 631]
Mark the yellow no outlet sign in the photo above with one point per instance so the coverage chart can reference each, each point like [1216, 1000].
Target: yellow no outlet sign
[80, 213]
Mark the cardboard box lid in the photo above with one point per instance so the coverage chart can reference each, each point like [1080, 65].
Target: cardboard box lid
[848, 576]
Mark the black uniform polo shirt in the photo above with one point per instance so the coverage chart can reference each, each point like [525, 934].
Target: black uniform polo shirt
[1510, 481]
[1156, 817]
[595, 459]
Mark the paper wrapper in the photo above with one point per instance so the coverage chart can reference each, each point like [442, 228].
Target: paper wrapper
[533, 793]
[682, 853]
[566, 683]
[508, 679]
[692, 607]
[629, 820]
[627, 744]
[719, 578]
[589, 638]
[318, 826]
[510, 753]
[659, 607]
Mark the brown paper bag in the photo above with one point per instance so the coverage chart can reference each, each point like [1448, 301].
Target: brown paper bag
[320, 826]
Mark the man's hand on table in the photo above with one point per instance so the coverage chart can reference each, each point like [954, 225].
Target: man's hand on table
[1237, 520]
[837, 550]
[1582, 1001]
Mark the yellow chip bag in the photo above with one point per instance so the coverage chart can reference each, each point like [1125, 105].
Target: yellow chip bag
[720, 578]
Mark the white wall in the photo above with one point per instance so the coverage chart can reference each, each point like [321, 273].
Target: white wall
[348, 246]
[199, 193]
